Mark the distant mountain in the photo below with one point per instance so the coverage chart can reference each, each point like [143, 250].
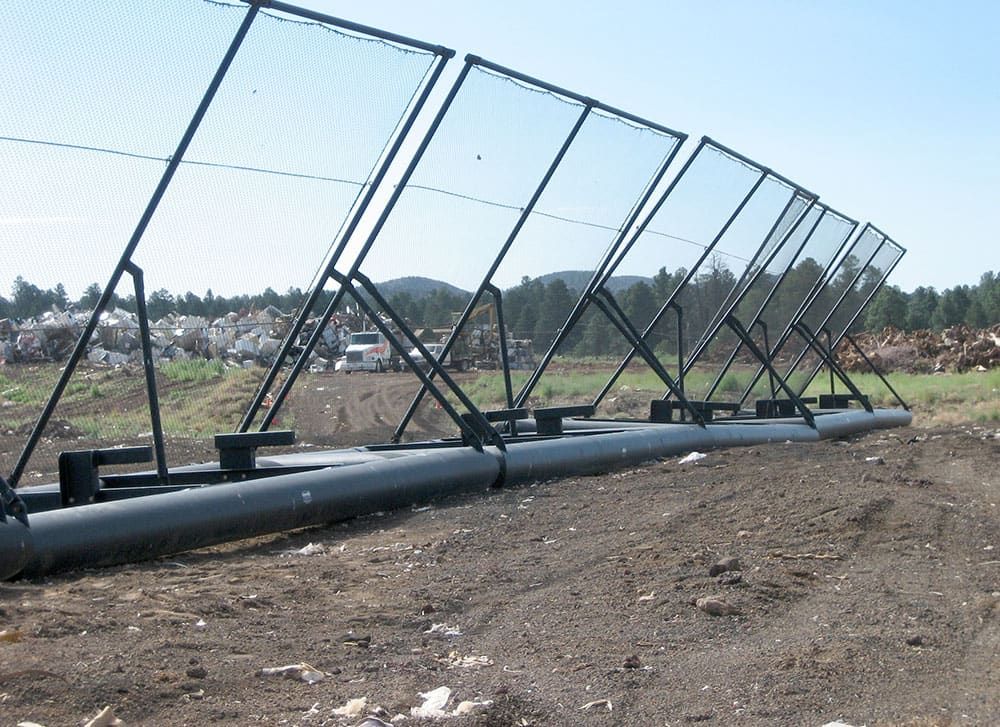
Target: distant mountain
[417, 287]
[578, 279]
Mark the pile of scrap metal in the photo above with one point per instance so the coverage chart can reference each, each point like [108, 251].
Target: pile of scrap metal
[244, 338]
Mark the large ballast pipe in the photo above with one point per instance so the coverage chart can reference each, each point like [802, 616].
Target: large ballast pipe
[136, 529]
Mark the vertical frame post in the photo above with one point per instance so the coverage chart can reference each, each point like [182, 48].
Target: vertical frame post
[133, 243]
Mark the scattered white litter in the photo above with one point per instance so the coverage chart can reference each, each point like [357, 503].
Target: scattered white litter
[470, 707]
[104, 718]
[468, 661]
[434, 703]
[691, 458]
[648, 597]
[443, 630]
[352, 708]
[303, 672]
[310, 549]
[598, 703]
[200, 623]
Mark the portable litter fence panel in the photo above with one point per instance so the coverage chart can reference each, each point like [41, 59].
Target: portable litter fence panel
[771, 305]
[243, 186]
[852, 303]
[721, 216]
[836, 278]
[516, 177]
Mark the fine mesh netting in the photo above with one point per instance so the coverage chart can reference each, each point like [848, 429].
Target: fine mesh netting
[824, 234]
[722, 225]
[847, 311]
[285, 149]
[838, 286]
[465, 200]
[646, 272]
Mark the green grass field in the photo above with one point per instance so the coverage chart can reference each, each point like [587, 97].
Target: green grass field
[934, 398]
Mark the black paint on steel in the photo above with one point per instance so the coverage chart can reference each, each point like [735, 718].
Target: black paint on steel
[471, 434]
[504, 356]
[11, 504]
[813, 342]
[586, 101]
[737, 327]
[757, 319]
[690, 273]
[358, 28]
[605, 266]
[146, 527]
[770, 368]
[317, 333]
[750, 162]
[307, 307]
[843, 297]
[149, 369]
[750, 276]
[627, 329]
[515, 231]
[861, 308]
[874, 368]
[830, 351]
[147, 215]
[436, 365]
[817, 287]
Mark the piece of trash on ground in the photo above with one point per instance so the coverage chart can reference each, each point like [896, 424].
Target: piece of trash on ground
[434, 703]
[598, 703]
[470, 707]
[104, 718]
[303, 672]
[310, 549]
[352, 707]
[443, 630]
[691, 458]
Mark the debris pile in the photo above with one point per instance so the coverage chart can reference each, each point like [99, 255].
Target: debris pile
[244, 338]
[956, 349]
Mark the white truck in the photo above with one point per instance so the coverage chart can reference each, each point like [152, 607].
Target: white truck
[435, 350]
[368, 351]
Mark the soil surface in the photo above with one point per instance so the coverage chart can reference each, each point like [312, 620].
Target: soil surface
[866, 590]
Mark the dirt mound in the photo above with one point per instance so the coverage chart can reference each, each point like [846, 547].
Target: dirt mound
[955, 349]
[860, 578]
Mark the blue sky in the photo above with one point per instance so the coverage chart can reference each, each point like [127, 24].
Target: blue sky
[890, 111]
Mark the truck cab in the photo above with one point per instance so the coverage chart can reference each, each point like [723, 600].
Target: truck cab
[368, 351]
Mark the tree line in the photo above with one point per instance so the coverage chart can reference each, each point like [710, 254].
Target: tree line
[973, 305]
[536, 310]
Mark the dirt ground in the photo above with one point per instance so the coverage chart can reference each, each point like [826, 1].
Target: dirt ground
[867, 590]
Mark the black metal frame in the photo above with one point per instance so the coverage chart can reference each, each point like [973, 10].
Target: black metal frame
[887, 241]
[125, 264]
[820, 284]
[436, 364]
[757, 319]
[486, 285]
[598, 290]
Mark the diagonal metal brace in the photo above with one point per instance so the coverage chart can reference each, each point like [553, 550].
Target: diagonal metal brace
[493, 437]
[635, 339]
[744, 335]
[813, 342]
